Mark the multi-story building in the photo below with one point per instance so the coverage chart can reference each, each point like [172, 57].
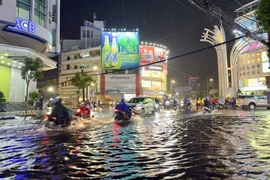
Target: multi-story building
[249, 62]
[90, 36]
[28, 28]
[86, 61]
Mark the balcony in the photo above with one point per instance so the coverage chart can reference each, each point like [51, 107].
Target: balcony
[82, 60]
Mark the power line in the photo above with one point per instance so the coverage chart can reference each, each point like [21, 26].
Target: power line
[169, 59]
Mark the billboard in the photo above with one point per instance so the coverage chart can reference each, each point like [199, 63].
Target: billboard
[150, 54]
[120, 50]
[120, 83]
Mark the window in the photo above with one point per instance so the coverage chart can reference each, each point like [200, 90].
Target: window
[76, 67]
[1, 3]
[88, 34]
[68, 67]
[40, 12]
[54, 13]
[23, 9]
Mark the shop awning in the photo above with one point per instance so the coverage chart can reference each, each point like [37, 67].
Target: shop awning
[14, 56]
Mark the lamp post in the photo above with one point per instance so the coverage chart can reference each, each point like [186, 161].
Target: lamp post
[172, 82]
[211, 80]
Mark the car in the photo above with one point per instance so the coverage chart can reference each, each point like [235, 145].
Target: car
[142, 105]
[252, 101]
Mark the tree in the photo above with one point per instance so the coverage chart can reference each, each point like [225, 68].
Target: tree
[263, 16]
[214, 92]
[30, 71]
[82, 81]
[33, 96]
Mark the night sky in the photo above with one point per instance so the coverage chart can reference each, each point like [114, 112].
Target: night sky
[174, 23]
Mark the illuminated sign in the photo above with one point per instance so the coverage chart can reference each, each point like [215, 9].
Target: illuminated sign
[120, 50]
[154, 68]
[25, 25]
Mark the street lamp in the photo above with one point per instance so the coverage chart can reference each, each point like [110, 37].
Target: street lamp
[172, 82]
[51, 89]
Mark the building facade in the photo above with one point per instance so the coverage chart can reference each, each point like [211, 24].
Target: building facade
[90, 36]
[83, 61]
[28, 28]
[154, 80]
[249, 62]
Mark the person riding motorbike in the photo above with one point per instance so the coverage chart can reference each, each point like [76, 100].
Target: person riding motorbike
[88, 106]
[60, 112]
[122, 106]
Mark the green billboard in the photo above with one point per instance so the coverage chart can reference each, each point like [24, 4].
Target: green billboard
[120, 50]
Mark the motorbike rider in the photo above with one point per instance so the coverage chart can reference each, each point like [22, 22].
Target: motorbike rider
[156, 100]
[60, 112]
[88, 106]
[122, 106]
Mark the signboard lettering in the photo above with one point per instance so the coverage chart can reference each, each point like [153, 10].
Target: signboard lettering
[25, 25]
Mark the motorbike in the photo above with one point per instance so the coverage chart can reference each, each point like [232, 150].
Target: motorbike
[52, 122]
[206, 109]
[82, 111]
[120, 115]
[167, 105]
[157, 107]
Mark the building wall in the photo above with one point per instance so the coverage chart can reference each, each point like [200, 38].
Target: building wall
[5, 72]
[7, 11]
[17, 86]
[46, 19]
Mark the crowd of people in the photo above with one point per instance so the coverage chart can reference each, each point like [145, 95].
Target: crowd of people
[221, 103]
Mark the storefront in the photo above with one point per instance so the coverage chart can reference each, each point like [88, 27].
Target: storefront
[119, 86]
[153, 77]
[253, 68]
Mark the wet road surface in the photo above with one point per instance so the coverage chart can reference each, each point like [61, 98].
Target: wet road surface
[168, 145]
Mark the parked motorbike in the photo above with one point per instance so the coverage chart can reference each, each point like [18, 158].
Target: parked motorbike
[120, 115]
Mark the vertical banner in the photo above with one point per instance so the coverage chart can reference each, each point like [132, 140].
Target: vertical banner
[138, 84]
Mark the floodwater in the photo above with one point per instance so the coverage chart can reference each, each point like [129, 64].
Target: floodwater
[167, 145]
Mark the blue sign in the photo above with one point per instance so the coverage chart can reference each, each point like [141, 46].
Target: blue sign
[25, 25]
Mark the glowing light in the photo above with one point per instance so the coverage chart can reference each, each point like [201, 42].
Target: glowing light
[2, 57]
[6, 54]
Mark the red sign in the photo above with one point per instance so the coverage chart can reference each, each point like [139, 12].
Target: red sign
[147, 54]
[193, 78]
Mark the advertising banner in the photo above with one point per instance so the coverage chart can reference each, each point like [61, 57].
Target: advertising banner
[120, 50]
[120, 83]
[150, 54]
[160, 54]
[147, 54]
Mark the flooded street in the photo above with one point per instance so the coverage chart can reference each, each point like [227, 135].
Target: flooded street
[167, 145]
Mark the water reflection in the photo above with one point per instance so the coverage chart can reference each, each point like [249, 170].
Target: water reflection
[167, 145]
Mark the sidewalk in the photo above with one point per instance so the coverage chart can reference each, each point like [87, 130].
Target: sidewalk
[14, 113]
